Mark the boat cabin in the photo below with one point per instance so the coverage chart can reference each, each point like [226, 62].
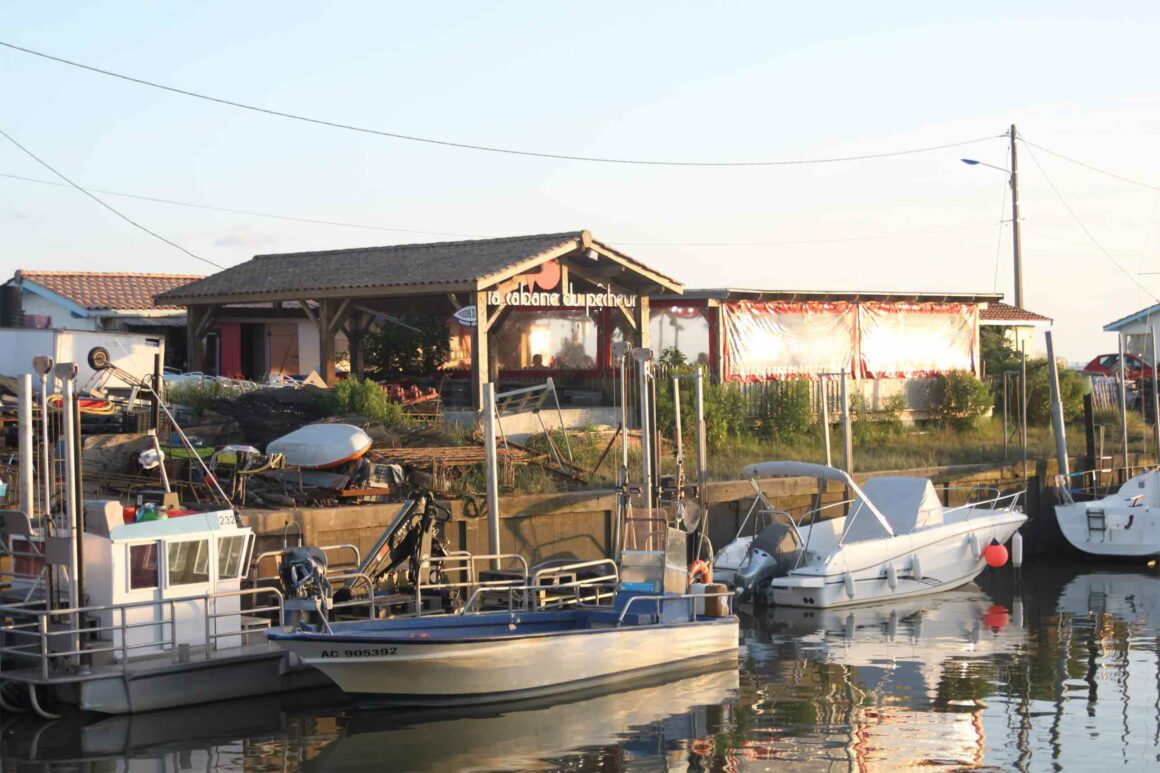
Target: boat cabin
[177, 578]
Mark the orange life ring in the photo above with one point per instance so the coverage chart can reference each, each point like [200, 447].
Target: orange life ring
[700, 568]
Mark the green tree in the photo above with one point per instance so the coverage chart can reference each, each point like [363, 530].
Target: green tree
[961, 400]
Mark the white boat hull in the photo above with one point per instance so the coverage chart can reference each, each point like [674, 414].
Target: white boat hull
[949, 555]
[1128, 532]
[509, 668]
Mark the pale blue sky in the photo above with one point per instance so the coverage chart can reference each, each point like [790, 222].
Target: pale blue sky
[703, 81]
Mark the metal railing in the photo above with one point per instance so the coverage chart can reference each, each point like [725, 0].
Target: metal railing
[36, 635]
[333, 565]
[661, 600]
[539, 594]
[464, 564]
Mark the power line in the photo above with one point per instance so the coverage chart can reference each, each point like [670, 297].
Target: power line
[104, 204]
[1084, 228]
[1089, 166]
[485, 148]
[346, 224]
[247, 212]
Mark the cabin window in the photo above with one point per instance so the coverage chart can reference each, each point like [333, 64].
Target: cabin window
[143, 566]
[188, 562]
[230, 551]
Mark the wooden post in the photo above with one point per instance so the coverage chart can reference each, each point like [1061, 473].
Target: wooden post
[331, 314]
[640, 317]
[480, 371]
[198, 322]
[325, 343]
[356, 330]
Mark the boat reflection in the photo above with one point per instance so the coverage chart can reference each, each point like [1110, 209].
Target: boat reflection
[650, 716]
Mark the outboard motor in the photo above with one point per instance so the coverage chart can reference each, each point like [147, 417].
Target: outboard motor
[773, 553]
[303, 574]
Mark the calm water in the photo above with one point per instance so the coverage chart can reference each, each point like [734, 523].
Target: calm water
[1061, 676]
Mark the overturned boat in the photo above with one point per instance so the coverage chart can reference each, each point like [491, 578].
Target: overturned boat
[895, 540]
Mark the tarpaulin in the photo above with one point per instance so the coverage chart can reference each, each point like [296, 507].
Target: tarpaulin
[903, 340]
[780, 340]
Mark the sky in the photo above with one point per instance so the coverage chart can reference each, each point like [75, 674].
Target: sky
[643, 80]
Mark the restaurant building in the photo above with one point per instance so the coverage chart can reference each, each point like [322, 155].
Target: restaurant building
[525, 308]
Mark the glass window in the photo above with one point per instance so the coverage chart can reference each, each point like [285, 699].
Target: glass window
[459, 349]
[560, 339]
[188, 562]
[230, 556]
[143, 566]
[684, 328]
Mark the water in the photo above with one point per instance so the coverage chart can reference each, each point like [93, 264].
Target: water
[1063, 676]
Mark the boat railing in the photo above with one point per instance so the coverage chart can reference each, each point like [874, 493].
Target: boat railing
[994, 500]
[351, 581]
[529, 598]
[661, 599]
[63, 644]
[333, 565]
[1087, 485]
[463, 565]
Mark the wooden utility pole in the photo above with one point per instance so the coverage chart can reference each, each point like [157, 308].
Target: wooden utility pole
[1015, 222]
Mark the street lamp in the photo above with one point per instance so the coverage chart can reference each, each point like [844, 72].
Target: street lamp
[1013, 173]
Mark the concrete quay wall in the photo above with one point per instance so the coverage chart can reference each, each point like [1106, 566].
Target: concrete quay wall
[578, 525]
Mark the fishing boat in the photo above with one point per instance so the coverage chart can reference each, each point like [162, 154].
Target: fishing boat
[655, 623]
[121, 609]
[895, 540]
[1125, 524]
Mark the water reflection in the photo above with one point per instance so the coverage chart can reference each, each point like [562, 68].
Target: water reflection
[1059, 671]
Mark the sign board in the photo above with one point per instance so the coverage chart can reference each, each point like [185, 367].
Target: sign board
[466, 316]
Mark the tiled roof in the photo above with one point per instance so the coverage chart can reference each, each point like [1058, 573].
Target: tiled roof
[99, 291]
[1000, 313]
[403, 265]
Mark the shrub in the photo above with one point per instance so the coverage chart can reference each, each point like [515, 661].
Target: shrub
[198, 396]
[786, 411]
[961, 400]
[363, 398]
[1072, 386]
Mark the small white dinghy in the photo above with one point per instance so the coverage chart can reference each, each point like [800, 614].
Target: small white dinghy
[320, 446]
[1125, 524]
[897, 541]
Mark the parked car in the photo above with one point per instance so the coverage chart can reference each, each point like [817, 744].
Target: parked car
[1109, 365]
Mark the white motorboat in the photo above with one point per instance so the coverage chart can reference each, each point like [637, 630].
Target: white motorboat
[897, 540]
[1125, 524]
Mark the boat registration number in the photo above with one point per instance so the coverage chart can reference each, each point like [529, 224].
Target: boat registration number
[375, 652]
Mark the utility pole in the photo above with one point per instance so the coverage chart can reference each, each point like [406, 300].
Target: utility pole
[1015, 222]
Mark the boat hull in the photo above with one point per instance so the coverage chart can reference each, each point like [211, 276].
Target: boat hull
[436, 671]
[948, 556]
[1128, 532]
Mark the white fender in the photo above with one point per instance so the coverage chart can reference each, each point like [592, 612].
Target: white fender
[1017, 612]
[915, 567]
[891, 576]
[892, 625]
[848, 581]
[973, 544]
[1017, 550]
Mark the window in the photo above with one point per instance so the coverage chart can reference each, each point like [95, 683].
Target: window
[143, 566]
[559, 339]
[230, 551]
[188, 562]
[683, 328]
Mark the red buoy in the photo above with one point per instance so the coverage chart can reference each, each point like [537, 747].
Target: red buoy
[995, 555]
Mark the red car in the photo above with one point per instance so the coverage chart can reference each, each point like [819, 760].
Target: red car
[1109, 365]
